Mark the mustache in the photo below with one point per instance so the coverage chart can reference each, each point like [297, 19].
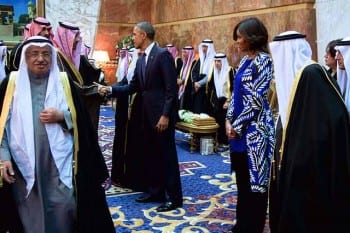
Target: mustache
[41, 63]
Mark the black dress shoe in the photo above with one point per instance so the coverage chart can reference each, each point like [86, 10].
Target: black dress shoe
[149, 198]
[167, 206]
[117, 183]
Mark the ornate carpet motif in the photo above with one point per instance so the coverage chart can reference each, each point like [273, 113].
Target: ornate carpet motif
[209, 193]
[187, 167]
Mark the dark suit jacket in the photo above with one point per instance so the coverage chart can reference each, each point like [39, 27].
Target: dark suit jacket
[157, 96]
[158, 91]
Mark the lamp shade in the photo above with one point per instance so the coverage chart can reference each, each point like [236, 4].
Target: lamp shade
[100, 56]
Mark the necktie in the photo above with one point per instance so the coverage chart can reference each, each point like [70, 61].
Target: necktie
[143, 66]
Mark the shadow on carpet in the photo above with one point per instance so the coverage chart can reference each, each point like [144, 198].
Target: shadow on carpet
[209, 192]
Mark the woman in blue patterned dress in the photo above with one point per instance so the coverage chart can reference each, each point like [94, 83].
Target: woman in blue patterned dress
[250, 126]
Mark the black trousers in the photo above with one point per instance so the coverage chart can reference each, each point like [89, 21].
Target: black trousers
[161, 164]
[251, 206]
[274, 202]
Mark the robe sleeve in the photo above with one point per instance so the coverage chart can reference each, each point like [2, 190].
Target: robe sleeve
[5, 148]
[67, 123]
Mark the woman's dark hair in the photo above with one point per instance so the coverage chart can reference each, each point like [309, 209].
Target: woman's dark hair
[254, 32]
[331, 47]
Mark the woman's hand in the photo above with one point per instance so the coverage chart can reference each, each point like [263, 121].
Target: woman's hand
[226, 104]
[230, 132]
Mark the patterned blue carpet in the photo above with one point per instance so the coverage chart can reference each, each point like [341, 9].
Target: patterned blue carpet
[208, 188]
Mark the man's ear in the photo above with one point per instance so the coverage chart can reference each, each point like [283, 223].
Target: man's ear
[144, 35]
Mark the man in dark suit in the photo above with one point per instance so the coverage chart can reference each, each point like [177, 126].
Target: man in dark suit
[155, 81]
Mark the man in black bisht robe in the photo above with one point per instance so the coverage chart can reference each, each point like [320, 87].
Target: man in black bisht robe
[84, 164]
[315, 161]
[219, 91]
[287, 46]
[199, 77]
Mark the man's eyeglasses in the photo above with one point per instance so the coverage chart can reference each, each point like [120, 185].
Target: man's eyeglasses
[36, 55]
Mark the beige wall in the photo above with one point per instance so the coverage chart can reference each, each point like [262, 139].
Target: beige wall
[184, 22]
[332, 17]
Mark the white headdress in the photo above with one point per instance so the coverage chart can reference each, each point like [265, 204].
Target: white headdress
[220, 76]
[343, 76]
[21, 121]
[290, 52]
[208, 58]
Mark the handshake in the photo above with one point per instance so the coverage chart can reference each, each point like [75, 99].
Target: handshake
[103, 90]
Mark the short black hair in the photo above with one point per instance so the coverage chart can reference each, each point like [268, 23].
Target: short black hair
[148, 28]
[254, 32]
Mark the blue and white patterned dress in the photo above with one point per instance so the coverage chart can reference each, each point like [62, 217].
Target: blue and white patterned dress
[252, 118]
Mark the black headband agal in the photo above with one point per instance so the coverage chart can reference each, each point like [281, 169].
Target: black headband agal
[343, 42]
[219, 56]
[36, 40]
[207, 41]
[68, 26]
[188, 48]
[289, 37]
[41, 23]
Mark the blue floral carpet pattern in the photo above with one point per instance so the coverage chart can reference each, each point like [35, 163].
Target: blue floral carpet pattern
[209, 192]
